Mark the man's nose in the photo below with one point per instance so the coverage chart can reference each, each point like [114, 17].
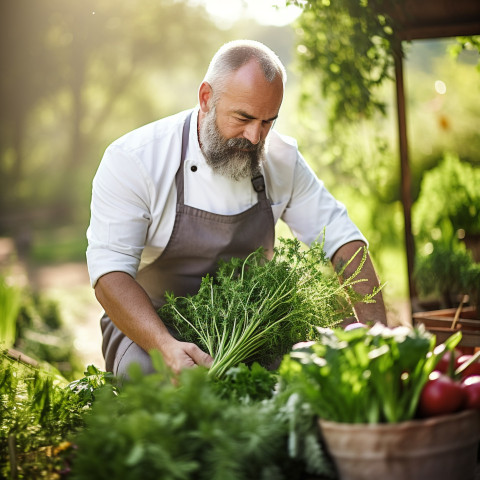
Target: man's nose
[253, 132]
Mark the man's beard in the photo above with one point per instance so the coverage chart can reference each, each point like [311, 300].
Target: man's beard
[236, 158]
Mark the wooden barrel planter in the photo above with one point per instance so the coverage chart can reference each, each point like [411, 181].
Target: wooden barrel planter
[440, 448]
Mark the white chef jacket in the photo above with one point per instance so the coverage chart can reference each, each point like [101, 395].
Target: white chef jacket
[134, 196]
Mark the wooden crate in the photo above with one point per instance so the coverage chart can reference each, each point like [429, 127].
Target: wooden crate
[439, 322]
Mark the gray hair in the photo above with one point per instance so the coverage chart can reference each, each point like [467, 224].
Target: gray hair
[233, 55]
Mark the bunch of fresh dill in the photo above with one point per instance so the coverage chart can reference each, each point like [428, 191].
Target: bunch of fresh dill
[255, 309]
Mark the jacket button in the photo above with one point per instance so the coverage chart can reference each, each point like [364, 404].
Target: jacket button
[193, 168]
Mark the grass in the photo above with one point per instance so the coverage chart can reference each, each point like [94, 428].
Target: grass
[59, 245]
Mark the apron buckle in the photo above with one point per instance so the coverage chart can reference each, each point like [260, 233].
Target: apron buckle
[258, 183]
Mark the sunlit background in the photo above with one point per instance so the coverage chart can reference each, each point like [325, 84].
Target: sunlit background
[77, 75]
[264, 12]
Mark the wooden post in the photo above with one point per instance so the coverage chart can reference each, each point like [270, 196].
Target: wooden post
[406, 192]
[12, 454]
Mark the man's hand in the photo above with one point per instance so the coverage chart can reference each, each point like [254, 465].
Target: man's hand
[178, 355]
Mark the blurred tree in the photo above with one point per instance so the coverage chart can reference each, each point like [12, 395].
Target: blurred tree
[26, 78]
[68, 66]
[349, 44]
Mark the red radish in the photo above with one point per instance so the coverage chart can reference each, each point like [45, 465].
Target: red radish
[441, 395]
[471, 387]
[443, 364]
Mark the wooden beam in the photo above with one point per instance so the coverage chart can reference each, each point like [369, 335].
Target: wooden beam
[421, 19]
[21, 357]
[423, 32]
[406, 193]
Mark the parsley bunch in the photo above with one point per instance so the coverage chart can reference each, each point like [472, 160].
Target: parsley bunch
[189, 427]
[255, 309]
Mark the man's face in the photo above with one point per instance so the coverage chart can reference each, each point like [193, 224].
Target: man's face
[235, 158]
[233, 130]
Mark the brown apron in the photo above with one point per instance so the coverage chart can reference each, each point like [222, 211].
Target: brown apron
[199, 240]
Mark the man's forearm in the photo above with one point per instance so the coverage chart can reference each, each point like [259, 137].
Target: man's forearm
[130, 309]
[365, 312]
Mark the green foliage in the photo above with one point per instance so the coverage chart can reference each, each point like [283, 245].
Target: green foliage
[10, 301]
[246, 383]
[83, 73]
[471, 284]
[184, 429]
[255, 309]
[39, 410]
[356, 154]
[364, 375]
[466, 43]
[449, 199]
[94, 378]
[448, 271]
[58, 245]
[42, 335]
[31, 323]
[349, 43]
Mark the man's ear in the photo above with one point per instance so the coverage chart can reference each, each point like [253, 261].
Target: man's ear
[205, 96]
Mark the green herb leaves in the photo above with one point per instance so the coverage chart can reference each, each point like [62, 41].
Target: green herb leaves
[194, 428]
[255, 309]
[177, 431]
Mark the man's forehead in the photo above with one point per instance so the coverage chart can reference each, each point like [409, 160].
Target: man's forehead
[252, 98]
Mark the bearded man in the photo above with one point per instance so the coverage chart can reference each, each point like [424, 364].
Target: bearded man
[174, 197]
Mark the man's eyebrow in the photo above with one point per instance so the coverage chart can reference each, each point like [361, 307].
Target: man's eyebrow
[251, 117]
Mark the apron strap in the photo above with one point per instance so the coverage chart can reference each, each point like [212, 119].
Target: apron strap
[179, 180]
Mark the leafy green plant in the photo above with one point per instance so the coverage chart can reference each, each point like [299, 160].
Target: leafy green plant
[10, 301]
[449, 199]
[364, 375]
[246, 383]
[185, 429]
[42, 335]
[255, 309]
[39, 412]
[448, 271]
[31, 323]
[350, 44]
[94, 378]
[466, 43]
[448, 208]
